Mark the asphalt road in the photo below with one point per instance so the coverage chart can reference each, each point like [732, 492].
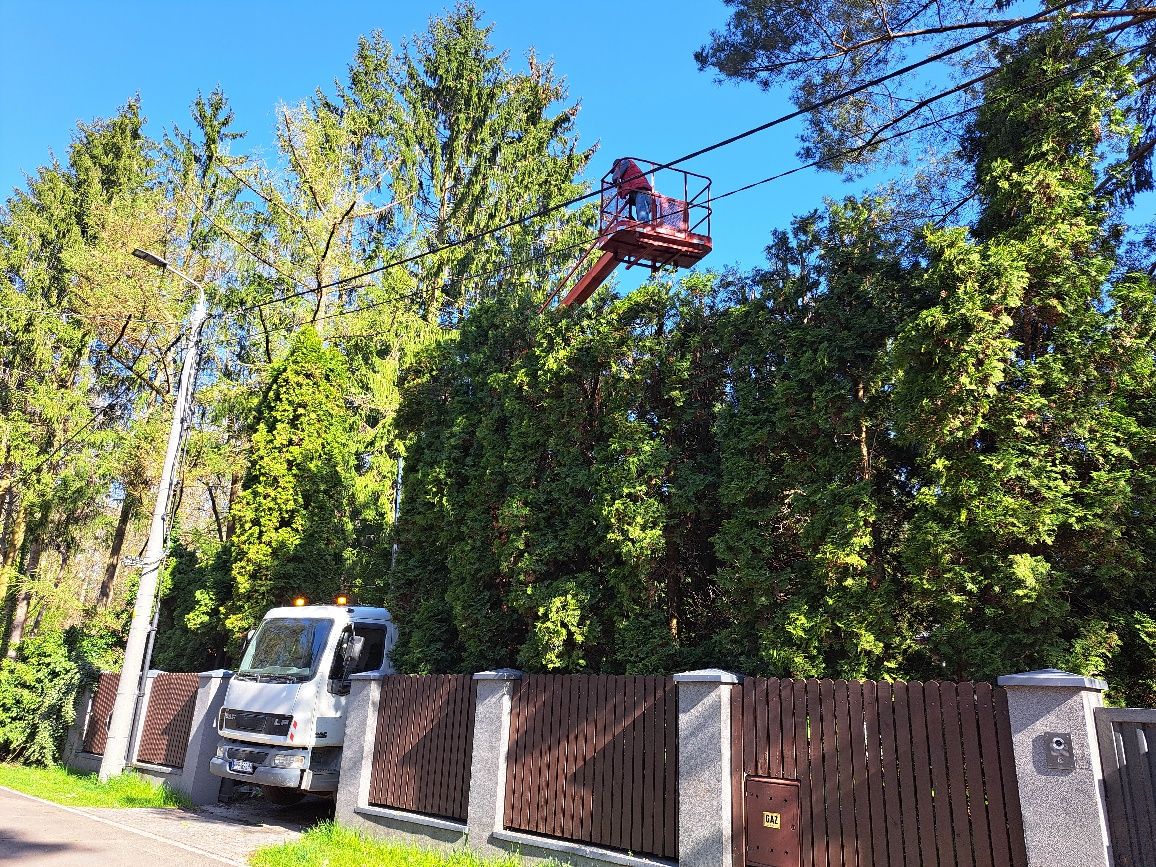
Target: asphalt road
[39, 833]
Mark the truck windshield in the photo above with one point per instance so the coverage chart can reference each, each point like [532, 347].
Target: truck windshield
[285, 650]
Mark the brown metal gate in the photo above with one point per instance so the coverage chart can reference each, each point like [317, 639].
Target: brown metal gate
[423, 744]
[594, 758]
[168, 721]
[887, 774]
[99, 715]
[1127, 738]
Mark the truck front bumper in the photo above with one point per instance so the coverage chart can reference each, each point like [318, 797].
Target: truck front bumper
[286, 778]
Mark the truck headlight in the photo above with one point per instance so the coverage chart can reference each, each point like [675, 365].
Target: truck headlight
[288, 760]
[222, 752]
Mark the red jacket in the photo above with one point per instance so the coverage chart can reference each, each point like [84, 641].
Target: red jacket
[628, 178]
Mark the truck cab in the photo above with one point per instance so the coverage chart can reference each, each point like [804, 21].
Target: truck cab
[283, 721]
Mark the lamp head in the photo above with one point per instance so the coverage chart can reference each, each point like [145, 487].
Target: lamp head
[151, 258]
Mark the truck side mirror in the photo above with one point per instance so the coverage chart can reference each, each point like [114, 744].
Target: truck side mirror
[353, 653]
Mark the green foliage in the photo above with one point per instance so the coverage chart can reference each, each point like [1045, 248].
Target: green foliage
[37, 696]
[38, 686]
[559, 483]
[193, 594]
[293, 524]
[73, 789]
[1016, 393]
[336, 846]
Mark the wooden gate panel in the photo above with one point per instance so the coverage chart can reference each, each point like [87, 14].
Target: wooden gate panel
[1127, 743]
[594, 758]
[921, 759]
[888, 773]
[168, 721]
[103, 698]
[423, 744]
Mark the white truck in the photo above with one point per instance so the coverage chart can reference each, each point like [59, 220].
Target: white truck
[283, 721]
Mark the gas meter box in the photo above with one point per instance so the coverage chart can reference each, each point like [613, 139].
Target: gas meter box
[773, 831]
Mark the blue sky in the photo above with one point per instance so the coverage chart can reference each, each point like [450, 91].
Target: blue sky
[630, 66]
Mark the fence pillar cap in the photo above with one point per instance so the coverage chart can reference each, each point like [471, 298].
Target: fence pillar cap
[1052, 677]
[707, 675]
[499, 674]
[216, 673]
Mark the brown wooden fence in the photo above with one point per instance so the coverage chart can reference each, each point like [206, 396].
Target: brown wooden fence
[888, 773]
[168, 719]
[1127, 742]
[594, 758]
[424, 744]
[103, 698]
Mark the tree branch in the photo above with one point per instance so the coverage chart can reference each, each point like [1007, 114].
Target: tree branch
[1138, 14]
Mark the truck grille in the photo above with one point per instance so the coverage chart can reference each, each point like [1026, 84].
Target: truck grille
[253, 721]
[257, 757]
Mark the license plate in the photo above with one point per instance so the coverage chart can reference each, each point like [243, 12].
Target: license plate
[239, 767]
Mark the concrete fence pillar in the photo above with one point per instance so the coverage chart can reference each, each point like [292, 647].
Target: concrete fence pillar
[1058, 769]
[704, 767]
[196, 781]
[484, 816]
[357, 748]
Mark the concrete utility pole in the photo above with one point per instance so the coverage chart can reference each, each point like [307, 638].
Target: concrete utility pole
[128, 692]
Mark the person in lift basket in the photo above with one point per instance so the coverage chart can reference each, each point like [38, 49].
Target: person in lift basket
[633, 188]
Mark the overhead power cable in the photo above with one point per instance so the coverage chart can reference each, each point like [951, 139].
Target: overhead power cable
[934, 122]
[807, 109]
[851, 151]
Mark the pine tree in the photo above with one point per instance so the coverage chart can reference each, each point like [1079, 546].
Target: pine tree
[293, 523]
[1015, 392]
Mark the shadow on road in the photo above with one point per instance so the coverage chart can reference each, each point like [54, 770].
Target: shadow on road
[15, 846]
[247, 809]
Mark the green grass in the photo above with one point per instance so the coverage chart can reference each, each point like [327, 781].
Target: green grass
[84, 790]
[329, 845]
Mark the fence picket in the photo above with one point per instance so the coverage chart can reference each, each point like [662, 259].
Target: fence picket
[858, 750]
[979, 831]
[875, 773]
[846, 776]
[904, 749]
[921, 757]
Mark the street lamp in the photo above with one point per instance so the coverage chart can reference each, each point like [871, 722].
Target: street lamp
[138, 646]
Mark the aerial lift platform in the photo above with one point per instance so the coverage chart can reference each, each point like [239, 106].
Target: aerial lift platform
[639, 225]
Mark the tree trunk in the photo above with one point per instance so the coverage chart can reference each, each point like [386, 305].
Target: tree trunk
[20, 614]
[127, 507]
[864, 449]
[216, 512]
[13, 540]
[234, 495]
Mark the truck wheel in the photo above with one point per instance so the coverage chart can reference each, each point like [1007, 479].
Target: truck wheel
[281, 796]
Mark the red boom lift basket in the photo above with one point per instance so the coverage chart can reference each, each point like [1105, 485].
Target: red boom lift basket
[656, 229]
